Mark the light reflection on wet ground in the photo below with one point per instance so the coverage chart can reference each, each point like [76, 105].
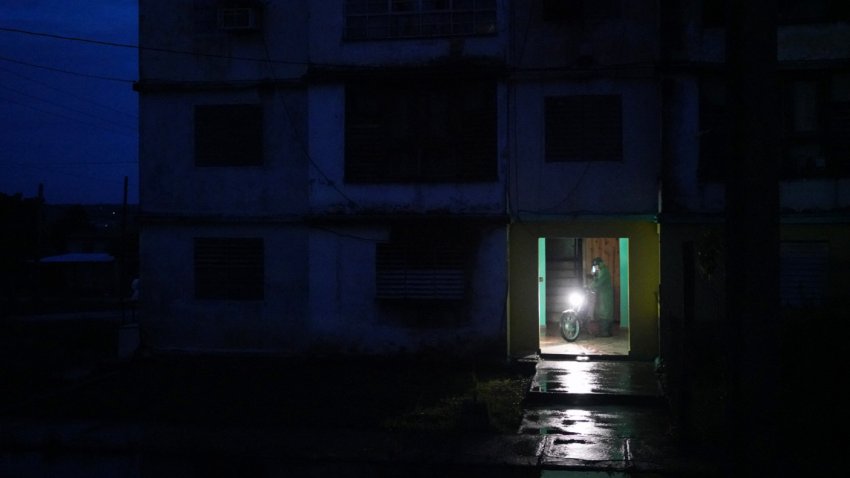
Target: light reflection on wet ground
[575, 377]
[599, 421]
[590, 416]
[552, 343]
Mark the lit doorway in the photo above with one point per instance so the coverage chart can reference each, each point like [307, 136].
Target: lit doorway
[564, 265]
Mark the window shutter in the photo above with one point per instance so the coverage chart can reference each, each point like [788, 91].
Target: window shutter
[418, 270]
[228, 135]
[229, 268]
[803, 273]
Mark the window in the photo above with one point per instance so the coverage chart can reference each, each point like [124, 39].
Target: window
[789, 12]
[379, 19]
[435, 131]
[713, 13]
[817, 126]
[580, 12]
[812, 11]
[229, 268]
[583, 128]
[715, 134]
[422, 264]
[228, 135]
[803, 273]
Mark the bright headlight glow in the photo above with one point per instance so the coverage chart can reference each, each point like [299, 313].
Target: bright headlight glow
[575, 299]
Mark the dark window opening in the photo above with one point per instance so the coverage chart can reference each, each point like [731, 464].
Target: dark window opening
[421, 132]
[804, 268]
[789, 12]
[228, 135]
[714, 130]
[229, 268]
[581, 12]
[423, 265]
[370, 19]
[812, 11]
[583, 128]
[816, 126]
[713, 13]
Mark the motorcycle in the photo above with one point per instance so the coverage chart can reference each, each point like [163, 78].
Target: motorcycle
[578, 314]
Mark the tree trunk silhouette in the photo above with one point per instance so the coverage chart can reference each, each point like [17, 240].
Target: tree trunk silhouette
[752, 234]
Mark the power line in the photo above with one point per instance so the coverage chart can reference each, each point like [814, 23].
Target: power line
[64, 37]
[124, 133]
[75, 73]
[74, 110]
[267, 60]
[159, 50]
[69, 93]
[74, 163]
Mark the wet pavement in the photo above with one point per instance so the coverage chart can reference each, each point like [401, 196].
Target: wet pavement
[594, 379]
[599, 415]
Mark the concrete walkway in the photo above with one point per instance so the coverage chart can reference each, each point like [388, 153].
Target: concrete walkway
[603, 415]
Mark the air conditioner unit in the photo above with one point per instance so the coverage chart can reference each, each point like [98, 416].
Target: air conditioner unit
[238, 19]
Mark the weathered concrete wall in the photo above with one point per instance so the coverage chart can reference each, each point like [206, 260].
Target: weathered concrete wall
[603, 187]
[170, 183]
[346, 316]
[605, 33]
[181, 41]
[172, 319]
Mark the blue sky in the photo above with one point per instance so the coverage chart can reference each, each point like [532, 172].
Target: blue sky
[74, 133]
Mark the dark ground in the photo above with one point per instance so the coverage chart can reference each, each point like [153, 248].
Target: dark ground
[65, 370]
[69, 369]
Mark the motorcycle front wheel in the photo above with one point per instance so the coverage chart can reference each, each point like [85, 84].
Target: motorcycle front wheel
[570, 326]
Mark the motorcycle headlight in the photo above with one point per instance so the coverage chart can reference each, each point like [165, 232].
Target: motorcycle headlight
[575, 299]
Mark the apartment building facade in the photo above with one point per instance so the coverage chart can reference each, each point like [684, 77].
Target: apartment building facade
[378, 177]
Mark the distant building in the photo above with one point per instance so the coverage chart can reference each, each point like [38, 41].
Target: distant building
[813, 41]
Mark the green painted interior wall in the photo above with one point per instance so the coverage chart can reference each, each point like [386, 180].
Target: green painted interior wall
[541, 283]
[624, 282]
[643, 280]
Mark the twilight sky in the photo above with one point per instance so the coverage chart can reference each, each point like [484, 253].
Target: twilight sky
[61, 125]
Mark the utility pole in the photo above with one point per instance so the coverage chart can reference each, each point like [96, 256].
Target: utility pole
[752, 236]
[122, 276]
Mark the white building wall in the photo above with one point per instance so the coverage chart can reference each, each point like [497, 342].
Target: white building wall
[319, 285]
[629, 186]
[172, 184]
[173, 319]
[346, 316]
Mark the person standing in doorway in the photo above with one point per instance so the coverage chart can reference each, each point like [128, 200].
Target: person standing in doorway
[604, 289]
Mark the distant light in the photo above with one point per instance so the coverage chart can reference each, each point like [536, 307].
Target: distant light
[582, 358]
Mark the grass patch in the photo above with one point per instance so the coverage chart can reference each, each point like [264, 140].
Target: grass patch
[394, 394]
[492, 405]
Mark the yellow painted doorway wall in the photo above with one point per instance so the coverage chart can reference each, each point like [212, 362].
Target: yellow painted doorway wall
[644, 277]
